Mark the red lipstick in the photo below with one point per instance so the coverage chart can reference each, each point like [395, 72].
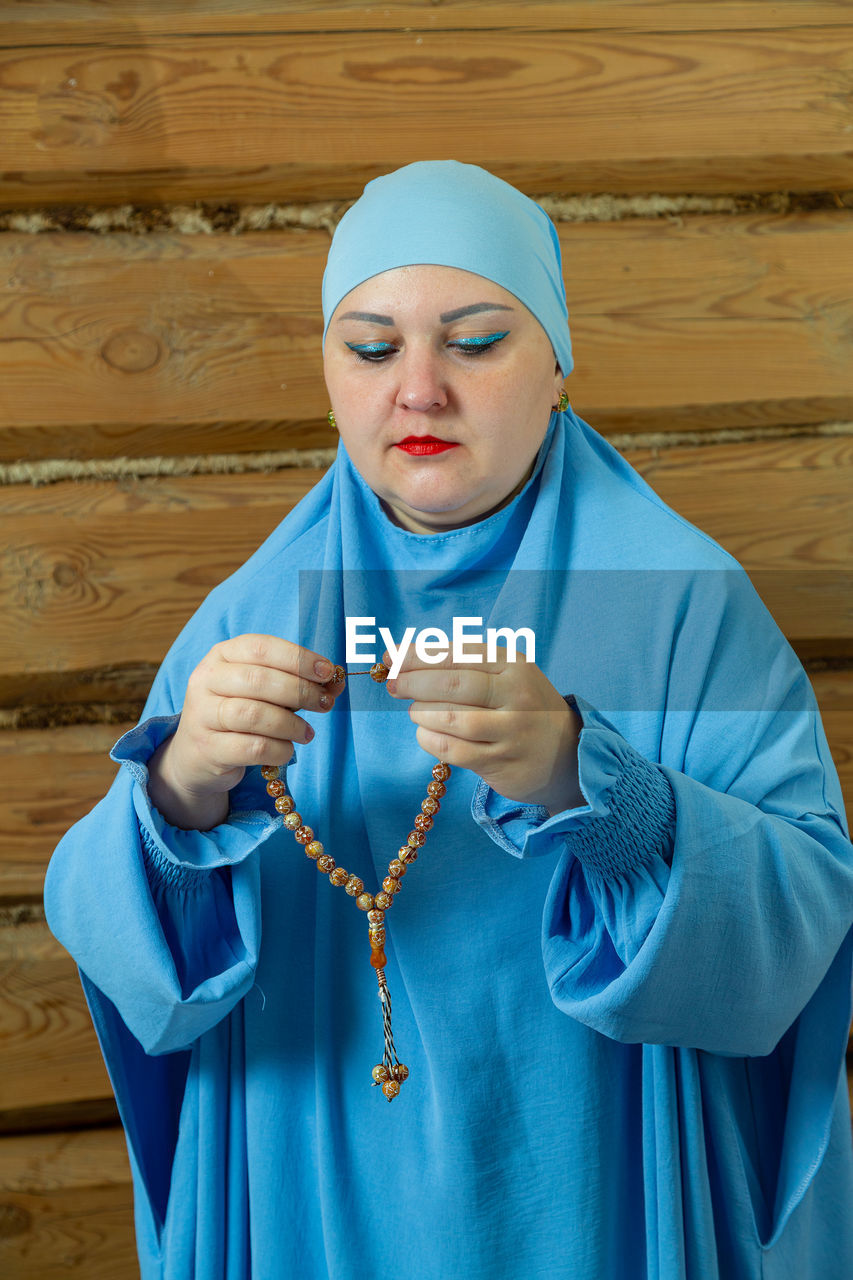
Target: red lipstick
[424, 446]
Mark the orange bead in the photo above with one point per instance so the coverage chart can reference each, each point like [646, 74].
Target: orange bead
[375, 917]
[383, 901]
[441, 771]
[390, 885]
[377, 939]
[380, 1073]
[293, 820]
[314, 848]
[364, 902]
[377, 959]
[430, 805]
[339, 876]
[396, 868]
[379, 672]
[400, 1072]
[408, 855]
[326, 864]
[354, 886]
[390, 1088]
[284, 804]
[269, 771]
[304, 835]
[437, 790]
[423, 822]
[416, 839]
[275, 787]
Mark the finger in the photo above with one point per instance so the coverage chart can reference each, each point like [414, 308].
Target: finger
[275, 652]
[462, 723]
[259, 719]
[244, 750]
[460, 685]
[268, 685]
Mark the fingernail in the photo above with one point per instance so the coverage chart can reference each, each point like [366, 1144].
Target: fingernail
[322, 669]
[325, 702]
[309, 733]
[391, 686]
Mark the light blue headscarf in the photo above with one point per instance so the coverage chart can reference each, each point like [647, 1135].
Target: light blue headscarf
[449, 214]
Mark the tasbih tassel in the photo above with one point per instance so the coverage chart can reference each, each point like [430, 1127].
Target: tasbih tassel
[390, 1073]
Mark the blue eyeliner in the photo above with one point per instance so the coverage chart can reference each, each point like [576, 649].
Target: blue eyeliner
[478, 344]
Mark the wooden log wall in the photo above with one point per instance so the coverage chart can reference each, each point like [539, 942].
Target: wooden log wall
[170, 173]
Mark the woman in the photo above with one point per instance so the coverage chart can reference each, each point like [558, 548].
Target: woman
[625, 1042]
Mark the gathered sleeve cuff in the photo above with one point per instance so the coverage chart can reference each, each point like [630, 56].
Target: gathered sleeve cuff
[176, 858]
[626, 823]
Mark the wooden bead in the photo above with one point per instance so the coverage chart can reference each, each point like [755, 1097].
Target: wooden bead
[430, 805]
[375, 917]
[437, 790]
[379, 672]
[441, 771]
[416, 839]
[408, 855]
[390, 885]
[380, 1073]
[304, 835]
[284, 804]
[275, 787]
[364, 902]
[400, 1072]
[378, 960]
[339, 876]
[424, 822]
[314, 848]
[354, 886]
[383, 901]
[396, 868]
[293, 820]
[269, 771]
[391, 1088]
[326, 864]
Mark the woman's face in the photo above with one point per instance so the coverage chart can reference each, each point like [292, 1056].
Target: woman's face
[442, 385]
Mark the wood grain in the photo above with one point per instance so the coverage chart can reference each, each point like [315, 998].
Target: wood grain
[140, 118]
[66, 1205]
[75, 21]
[168, 344]
[50, 1054]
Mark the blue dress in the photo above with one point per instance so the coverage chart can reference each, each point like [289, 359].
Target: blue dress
[625, 1024]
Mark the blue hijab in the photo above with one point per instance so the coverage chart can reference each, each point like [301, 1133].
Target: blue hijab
[443, 213]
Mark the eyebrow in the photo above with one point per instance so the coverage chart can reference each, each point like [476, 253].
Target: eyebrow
[446, 317]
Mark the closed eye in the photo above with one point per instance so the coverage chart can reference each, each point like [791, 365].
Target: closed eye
[373, 352]
[478, 346]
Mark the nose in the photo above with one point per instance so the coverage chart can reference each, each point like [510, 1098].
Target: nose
[421, 385]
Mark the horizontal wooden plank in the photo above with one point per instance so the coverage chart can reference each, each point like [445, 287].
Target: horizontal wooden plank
[50, 1054]
[38, 802]
[99, 574]
[165, 344]
[303, 115]
[66, 1204]
[73, 21]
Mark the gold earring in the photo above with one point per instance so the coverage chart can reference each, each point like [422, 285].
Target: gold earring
[330, 416]
[563, 403]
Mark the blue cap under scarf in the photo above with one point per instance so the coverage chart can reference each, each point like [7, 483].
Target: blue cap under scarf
[443, 213]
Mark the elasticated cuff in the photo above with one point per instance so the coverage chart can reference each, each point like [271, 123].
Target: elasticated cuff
[172, 853]
[628, 818]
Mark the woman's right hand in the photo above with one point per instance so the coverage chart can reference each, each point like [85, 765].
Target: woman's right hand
[240, 710]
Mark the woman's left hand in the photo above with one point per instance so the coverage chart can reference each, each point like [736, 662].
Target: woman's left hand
[502, 720]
